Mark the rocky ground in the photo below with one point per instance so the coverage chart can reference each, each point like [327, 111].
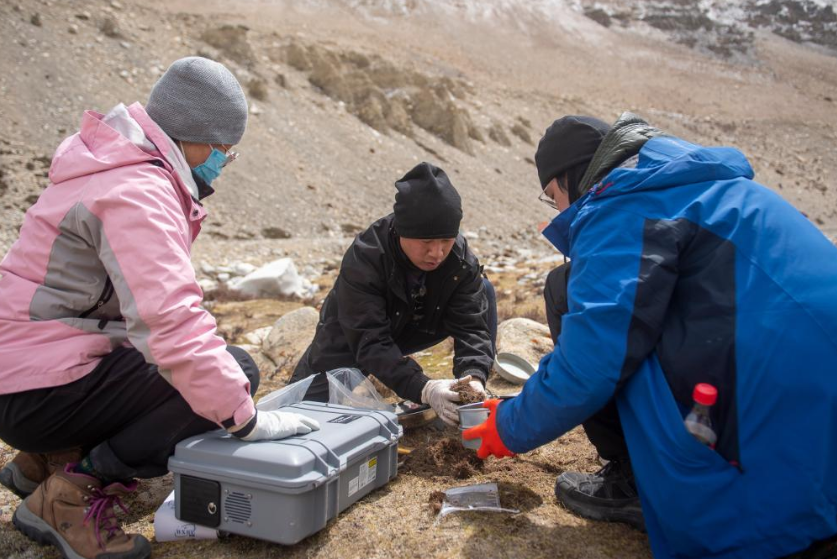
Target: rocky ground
[345, 97]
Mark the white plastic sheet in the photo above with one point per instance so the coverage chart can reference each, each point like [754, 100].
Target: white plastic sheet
[277, 278]
[346, 387]
[289, 395]
[167, 528]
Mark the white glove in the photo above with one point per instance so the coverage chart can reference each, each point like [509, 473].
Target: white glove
[442, 399]
[477, 386]
[272, 425]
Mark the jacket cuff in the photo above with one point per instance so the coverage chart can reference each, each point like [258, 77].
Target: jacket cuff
[247, 429]
[245, 411]
[414, 389]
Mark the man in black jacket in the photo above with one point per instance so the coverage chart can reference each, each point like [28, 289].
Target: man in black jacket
[407, 283]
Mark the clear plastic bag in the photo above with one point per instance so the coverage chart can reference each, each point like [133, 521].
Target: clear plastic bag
[349, 387]
[291, 394]
[481, 497]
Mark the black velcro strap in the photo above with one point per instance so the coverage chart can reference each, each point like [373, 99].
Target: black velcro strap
[248, 428]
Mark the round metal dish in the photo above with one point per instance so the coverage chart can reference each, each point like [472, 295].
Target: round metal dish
[412, 415]
[471, 415]
[513, 368]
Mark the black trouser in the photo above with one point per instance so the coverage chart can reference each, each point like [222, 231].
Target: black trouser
[123, 413]
[604, 428]
[410, 341]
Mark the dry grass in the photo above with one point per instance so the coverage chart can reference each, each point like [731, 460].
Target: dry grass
[515, 301]
[511, 308]
[396, 520]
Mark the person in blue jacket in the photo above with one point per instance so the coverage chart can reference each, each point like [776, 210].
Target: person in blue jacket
[684, 271]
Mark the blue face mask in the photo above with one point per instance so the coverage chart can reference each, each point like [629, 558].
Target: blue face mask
[210, 169]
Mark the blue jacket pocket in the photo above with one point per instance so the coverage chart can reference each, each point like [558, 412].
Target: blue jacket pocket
[692, 497]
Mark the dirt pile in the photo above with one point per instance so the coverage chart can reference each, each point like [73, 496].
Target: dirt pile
[467, 394]
[518, 496]
[443, 458]
[435, 501]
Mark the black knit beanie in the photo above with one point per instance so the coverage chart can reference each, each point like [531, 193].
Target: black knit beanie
[568, 145]
[426, 206]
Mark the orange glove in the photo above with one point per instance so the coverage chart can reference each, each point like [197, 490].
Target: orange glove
[492, 444]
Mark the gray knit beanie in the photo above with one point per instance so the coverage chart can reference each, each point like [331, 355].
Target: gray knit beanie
[199, 100]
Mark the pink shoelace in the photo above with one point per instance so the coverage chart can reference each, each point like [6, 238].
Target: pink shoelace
[101, 508]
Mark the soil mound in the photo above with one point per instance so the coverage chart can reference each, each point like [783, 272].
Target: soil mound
[435, 501]
[443, 458]
[517, 496]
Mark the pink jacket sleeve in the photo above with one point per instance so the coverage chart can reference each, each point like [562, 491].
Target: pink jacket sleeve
[144, 238]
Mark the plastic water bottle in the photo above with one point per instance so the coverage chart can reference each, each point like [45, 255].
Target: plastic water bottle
[698, 422]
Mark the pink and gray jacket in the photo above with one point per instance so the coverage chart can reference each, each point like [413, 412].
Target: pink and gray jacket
[103, 260]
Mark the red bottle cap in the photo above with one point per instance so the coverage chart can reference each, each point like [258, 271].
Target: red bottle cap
[705, 394]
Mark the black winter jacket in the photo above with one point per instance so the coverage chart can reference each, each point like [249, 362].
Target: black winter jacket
[368, 309]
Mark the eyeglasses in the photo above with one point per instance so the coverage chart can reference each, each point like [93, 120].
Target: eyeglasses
[231, 155]
[547, 199]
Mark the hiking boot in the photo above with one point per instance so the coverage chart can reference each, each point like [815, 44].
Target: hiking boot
[610, 494]
[75, 513]
[28, 470]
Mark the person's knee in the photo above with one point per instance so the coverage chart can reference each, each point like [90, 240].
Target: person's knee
[555, 298]
[248, 366]
[555, 288]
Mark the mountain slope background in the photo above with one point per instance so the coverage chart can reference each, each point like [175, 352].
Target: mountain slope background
[349, 95]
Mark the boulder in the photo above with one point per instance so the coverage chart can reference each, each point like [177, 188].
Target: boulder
[207, 285]
[266, 366]
[257, 337]
[525, 338]
[290, 337]
[275, 233]
[243, 268]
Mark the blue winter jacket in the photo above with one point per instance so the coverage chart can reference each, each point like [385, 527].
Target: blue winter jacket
[687, 271]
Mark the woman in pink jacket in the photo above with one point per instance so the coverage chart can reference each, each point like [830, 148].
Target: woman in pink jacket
[107, 360]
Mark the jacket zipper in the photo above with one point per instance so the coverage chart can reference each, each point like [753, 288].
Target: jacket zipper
[435, 308]
[107, 293]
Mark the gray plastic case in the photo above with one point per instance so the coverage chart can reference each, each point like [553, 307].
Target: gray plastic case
[283, 491]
